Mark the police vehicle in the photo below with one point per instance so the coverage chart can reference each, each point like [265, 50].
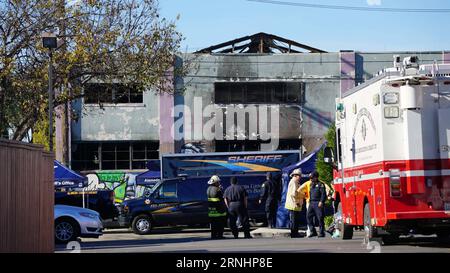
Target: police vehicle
[183, 201]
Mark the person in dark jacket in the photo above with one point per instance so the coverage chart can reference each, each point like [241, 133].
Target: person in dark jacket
[217, 212]
[317, 198]
[237, 203]
[270, 196]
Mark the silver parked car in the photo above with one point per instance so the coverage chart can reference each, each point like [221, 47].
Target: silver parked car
[73, 222]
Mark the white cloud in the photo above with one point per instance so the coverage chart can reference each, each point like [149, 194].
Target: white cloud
[374, 2]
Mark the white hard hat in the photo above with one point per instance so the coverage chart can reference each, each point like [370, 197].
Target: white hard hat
[296, 171]
[214, 179]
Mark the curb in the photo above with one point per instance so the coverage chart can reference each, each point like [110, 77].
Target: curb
[273, 233]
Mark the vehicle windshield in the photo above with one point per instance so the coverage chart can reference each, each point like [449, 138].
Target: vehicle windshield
[155, 187]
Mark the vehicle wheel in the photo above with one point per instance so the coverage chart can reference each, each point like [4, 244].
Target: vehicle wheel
[346, 230]
[369, 230]
[142, 224]
[66, 230]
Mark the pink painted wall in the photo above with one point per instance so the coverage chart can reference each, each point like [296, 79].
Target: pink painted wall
[446, 57]
[166, 121]
[347, 71]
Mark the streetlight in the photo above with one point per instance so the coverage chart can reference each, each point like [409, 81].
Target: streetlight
[49, 41]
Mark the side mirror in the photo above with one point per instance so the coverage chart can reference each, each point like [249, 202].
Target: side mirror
[157, 196]
[147, 193]
[328, 156]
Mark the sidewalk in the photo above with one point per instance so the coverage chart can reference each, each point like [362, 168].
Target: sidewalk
[273, 232]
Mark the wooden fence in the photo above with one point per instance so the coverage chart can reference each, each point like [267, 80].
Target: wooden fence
[26, 198]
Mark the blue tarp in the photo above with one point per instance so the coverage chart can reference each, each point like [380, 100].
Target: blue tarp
[148, 178]
[307, 165]
[67, 178]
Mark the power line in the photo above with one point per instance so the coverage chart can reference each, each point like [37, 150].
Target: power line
[352, 8]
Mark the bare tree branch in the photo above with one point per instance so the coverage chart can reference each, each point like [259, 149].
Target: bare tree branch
[104, 40]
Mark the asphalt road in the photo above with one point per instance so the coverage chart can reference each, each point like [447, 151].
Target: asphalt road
[197, 240]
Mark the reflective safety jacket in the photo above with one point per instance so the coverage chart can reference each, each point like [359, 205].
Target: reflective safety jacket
[216, 204]
[305, 190]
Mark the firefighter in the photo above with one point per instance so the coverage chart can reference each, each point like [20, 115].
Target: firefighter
[270, 196]
[294, 202]
[216, 208]
[317, 197]
[237, 203]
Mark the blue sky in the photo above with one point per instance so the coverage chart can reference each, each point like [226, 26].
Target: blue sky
[209, 22]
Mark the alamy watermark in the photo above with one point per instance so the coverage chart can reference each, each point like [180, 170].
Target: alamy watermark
[230, 122]
[74, 247]
[371, 245]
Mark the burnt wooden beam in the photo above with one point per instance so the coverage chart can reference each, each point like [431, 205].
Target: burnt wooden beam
[285, 49]
[259, 43]
[310, 48]
[229, 43]
[233, 49]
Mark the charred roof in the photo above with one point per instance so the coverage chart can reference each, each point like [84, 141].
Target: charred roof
[261, 43]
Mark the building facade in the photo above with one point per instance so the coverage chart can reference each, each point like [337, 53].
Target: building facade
[236, 77]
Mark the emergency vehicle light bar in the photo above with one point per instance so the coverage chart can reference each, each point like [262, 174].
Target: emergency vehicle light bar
[412, 80]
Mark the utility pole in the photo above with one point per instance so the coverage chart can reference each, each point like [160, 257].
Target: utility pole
[49, 41]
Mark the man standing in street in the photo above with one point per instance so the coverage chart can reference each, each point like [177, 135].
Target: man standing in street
[317, 197]
[237, 203]
[305, 189]
[270, 196]
[216, 208]
[294, 201]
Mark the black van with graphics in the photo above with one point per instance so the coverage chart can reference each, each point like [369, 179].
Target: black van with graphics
[183, 201]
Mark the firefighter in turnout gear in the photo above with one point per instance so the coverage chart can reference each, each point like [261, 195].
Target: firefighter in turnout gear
[217, 212]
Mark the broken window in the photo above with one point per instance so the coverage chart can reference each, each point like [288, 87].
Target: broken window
[258, 92]
[121, 155]
[95, 93]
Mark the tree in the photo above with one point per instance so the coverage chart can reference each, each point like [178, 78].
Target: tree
[326, 170]
[40, 132]
[122, 41]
